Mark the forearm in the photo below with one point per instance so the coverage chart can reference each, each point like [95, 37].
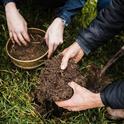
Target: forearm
[108, 23]
[70, 8]
[113, 95]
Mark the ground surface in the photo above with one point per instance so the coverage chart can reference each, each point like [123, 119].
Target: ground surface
[16, 103]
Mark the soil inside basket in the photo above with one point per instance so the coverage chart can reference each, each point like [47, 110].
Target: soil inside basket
[33, 50]
[53, 84]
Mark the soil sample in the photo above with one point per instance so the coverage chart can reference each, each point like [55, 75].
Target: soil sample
[33, 50]
[53, 82]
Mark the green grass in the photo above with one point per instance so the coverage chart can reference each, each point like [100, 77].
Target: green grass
[16, 103]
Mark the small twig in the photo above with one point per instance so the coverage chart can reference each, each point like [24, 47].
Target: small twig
[112, 60]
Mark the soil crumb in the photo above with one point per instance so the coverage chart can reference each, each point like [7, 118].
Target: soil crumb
[33, 50]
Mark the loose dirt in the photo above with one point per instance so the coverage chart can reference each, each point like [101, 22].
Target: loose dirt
[33, 50]
[53, 84]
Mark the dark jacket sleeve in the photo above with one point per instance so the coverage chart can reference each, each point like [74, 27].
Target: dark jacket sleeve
[70, 9]
[113, 95]
[108, 23]
[7, 1]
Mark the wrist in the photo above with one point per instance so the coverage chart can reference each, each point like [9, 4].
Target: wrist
[98, 100]
[62, 21]
[10, 7]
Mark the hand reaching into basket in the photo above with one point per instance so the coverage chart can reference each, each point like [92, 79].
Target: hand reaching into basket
[16, 24]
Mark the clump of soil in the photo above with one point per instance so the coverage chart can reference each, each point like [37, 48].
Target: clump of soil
[33, 50]
[53, 84]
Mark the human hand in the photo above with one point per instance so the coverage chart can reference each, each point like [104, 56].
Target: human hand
[82, 99]
[74, 51]
[16, 24]
[54, 35]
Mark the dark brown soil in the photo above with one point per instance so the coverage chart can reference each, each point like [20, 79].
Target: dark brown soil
[53, 83]
[94, 81]
[33, 50]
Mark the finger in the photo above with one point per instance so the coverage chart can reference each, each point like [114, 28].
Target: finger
[26, 36]
[75, 86]
[46, 38]
[63, 52]
[68, 108]
[78, 57]
[76, 109]
[50, 50]
[72, 84]
[65, 60]
[65, 104]
[10, 34]
[16, 39]
[21, 39]
[55, 47]
[11, 37]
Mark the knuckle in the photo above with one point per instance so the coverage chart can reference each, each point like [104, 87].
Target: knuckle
[61, 41]
[56, 43]
[17, 31]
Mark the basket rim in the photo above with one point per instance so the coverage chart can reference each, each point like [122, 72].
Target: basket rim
[18, 60]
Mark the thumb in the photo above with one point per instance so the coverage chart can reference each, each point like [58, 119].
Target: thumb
[79, 56]
[64, 104]
[65, 60]
[46, 39]
[74, 86]
[68, 102]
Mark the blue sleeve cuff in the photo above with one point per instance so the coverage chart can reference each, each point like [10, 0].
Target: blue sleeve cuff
[113, 95]
[7, 1]
[64, 16]
[70, 8]
[82, 44]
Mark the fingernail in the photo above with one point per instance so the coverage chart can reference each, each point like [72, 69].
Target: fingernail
[63, 66]
[48, 56]
[69, 83]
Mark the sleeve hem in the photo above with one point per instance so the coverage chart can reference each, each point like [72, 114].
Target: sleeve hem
[7, 1]
[103, 98]
[83, 46]
[65, 17]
